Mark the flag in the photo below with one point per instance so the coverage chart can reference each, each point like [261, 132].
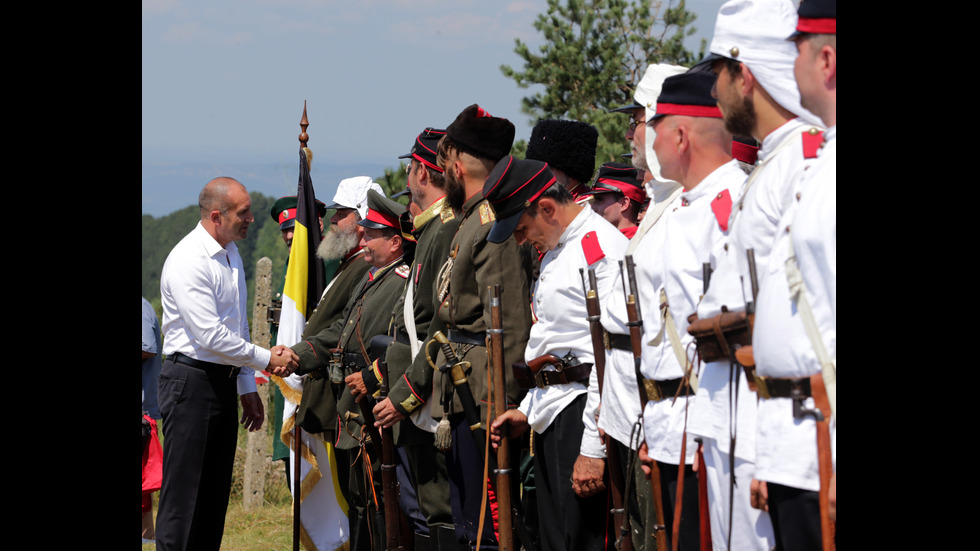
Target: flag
[323, 509]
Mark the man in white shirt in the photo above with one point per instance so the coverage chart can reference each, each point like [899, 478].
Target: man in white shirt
[568, 453]
[208, 357]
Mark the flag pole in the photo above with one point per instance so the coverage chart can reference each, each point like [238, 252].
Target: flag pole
[297, 432]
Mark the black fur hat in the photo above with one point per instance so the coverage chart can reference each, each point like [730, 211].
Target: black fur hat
[568, 146]
[480, 134]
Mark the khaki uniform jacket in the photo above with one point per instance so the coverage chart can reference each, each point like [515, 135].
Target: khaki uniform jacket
[410, 388]
[317, 410]
[368, 313]
[477, 265]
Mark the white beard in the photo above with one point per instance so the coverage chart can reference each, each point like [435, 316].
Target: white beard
[336, 244]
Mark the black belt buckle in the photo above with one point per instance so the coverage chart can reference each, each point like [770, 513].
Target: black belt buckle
[798, 396]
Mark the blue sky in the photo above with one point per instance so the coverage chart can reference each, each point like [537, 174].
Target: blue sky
[223, 84]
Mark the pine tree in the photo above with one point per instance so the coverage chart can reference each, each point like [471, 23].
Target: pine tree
[595, 53]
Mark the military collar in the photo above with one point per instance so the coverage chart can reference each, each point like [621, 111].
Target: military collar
[375, 273]
[434, 210]
[473, 201]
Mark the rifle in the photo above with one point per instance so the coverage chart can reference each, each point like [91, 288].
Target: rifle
[617, 482]
[504, 511]
[635, 323]
[391, 491]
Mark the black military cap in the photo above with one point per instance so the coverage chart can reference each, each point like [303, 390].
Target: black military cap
[568, 146]
[627, 108]
[816, 17]
[511, 187]
[618, 178]
[480, 134]
[284, 211]
[688, 94]
[424, 148]
[382, 212]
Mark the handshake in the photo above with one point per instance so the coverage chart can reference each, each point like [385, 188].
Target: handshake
[283, 361]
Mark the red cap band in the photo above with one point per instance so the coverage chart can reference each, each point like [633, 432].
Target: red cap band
[689, 110]
[381, 218]
[633, 192]
[817, 26]
[287, 214]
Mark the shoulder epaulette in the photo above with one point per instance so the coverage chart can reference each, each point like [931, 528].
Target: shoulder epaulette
[447, 215]
[721, 205]
[486, 214]
[592, 248]
[812, 140]
[403, 271]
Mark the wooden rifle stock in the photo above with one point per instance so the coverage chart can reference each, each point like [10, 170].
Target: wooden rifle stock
[617, 483]
[505, 523]
[635, 323]
[389, 481]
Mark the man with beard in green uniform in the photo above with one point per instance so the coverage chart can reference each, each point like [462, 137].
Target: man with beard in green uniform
[473, 144]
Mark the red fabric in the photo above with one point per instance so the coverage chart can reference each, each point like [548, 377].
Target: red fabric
[689, 110]
[721, 205]
[492, 498]
[152, 464]
[745, 152]
[811, 144]
[630, 231]
[817, 26]
[592, 248]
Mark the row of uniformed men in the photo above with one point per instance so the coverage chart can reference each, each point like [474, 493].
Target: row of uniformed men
[475, 209]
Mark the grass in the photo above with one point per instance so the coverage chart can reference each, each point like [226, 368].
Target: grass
[271, 528]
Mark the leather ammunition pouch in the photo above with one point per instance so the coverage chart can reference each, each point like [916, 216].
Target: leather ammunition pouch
[526, 378]
[717, 336]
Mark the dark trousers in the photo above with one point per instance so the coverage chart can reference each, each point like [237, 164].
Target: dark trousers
[795, 515]
[464, 463]
[566, 521]
[200, 414]
[690, 535]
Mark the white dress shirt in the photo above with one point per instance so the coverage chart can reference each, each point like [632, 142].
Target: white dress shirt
[561, 323]
[203, 291]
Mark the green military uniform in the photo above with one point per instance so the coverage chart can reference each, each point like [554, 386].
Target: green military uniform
[367, 314]
[318, 410]
[463, 313]
[476, 265]
[434, 230]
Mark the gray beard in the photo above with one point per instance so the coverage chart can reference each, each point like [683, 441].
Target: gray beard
[336, 245]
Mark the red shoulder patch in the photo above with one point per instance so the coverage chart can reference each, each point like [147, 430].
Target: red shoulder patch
[812, 140]
[592, 249]
[721, 205]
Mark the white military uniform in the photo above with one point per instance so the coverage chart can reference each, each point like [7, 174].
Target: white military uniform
[769, 192]
[787, 451]
[560, 326]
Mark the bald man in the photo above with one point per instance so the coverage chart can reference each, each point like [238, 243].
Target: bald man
[209, 360]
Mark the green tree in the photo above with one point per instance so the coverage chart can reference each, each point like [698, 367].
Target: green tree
[394, 181]
[595, 53]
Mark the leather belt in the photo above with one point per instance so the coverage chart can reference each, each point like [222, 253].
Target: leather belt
[661, 390]
[527, 379]
[769, 387]
[466, 337]
[615, 341]
[184, 359]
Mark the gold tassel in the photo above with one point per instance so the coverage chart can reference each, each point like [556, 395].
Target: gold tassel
[444, 436]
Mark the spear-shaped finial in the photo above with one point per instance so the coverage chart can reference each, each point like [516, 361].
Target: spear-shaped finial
[304, 137]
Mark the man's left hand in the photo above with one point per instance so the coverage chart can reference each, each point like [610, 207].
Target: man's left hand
[355, 382]
[252, 411]
[587, 476]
